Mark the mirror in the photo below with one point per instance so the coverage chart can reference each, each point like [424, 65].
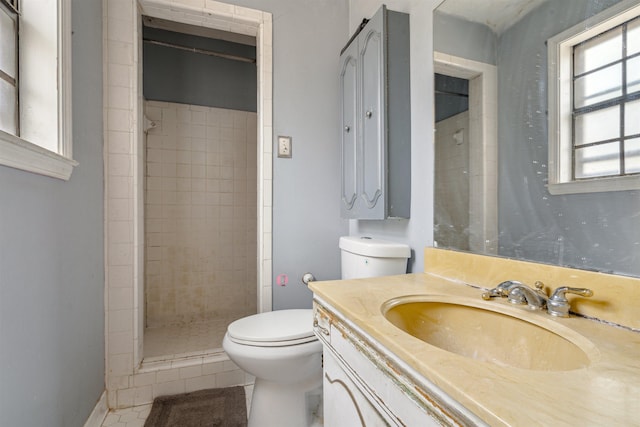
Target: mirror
[492, 155]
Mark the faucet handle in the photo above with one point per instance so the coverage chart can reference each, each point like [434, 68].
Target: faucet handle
[558, 304]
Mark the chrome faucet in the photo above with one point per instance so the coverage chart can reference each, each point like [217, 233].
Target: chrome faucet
[519, 293]
[558, 305]
[523, 294]
[502, 290]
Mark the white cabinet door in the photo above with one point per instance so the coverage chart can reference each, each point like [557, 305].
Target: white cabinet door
[349, 90]
[344, 404]
[373, 164]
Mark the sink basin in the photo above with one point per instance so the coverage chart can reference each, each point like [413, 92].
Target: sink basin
[498, 335]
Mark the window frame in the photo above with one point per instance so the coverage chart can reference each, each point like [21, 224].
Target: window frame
[20, 153]
[560, 103]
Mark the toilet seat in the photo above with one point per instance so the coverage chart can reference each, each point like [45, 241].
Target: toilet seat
[274, 328]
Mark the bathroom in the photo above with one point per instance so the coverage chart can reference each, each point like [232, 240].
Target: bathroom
[53, 244]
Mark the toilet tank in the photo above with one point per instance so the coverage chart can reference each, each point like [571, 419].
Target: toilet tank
[368, 257]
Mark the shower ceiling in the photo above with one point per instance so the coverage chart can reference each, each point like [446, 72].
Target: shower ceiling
[496, 14]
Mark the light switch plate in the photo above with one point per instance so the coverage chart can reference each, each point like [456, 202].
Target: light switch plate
[284, 146]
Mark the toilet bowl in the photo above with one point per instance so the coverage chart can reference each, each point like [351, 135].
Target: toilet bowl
[280, 349]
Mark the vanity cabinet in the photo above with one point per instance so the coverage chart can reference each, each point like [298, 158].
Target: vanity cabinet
[364, 387]
[343, 402]
[376, 119]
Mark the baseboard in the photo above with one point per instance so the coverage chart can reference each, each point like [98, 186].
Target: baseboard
[99, 412]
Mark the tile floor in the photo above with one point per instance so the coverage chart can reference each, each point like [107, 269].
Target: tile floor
[167, 342]
[129, 417]
[137, 415]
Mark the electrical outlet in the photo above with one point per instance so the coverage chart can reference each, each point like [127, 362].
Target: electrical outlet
[284, 146]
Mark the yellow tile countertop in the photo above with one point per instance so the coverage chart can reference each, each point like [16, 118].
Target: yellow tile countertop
[606, 392]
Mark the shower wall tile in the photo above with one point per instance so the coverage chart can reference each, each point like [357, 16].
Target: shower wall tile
[121, 321]
[201, 215]
[119, 9]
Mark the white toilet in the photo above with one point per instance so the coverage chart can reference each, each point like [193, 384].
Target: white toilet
[280, 349]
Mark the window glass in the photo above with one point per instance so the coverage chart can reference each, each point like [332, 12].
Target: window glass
[633, 37]
[632, 156]
[589, 128]
[604, 74]
[598, 52]
[632, 118]
[8, 36]
[598, 86]
[7, 107]
[8, 71]
[633, 74]
[597, 160]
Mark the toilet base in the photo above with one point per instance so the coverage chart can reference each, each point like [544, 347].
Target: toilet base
[280, 405]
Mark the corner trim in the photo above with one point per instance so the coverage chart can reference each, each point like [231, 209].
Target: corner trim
[99, 412]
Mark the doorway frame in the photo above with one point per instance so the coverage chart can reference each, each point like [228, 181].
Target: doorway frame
[483, 145]
[124, 166]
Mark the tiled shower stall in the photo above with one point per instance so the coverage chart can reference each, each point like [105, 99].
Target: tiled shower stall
[200, 225]
[130, 380]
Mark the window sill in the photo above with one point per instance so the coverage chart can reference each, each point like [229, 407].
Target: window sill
[20, 154]
[597, 185]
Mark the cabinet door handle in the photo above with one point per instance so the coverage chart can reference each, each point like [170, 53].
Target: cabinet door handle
[320, 328]
[347, 129]
[368, 114]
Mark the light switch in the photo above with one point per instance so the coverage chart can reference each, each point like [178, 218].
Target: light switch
[284, 146]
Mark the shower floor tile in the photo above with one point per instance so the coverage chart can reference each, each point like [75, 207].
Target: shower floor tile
[187, 340]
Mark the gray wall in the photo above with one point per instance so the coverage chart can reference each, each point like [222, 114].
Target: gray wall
[307, 38]
[185, 77]
[463, 38]
[596, 230]
[51, 264]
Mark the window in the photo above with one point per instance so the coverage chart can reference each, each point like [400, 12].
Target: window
[9, 67]
[35, 86]
[594, 103]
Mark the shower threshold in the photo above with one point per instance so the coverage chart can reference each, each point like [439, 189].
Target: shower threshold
[183, 360]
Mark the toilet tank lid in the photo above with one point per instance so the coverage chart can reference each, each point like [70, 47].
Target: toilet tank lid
[368, 246]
